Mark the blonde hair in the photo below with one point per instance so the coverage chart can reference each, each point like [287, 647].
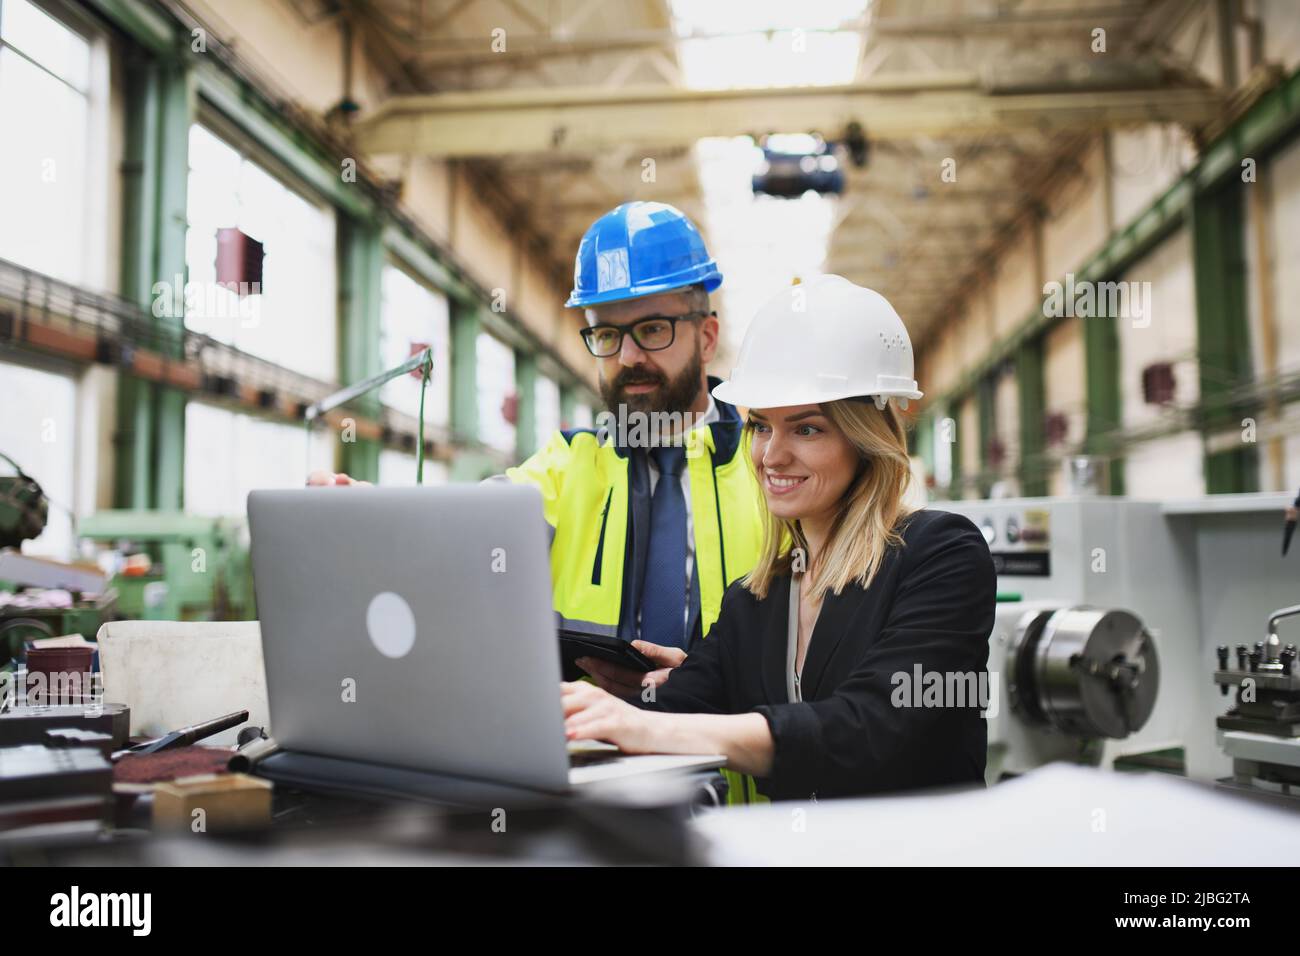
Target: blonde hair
[871, 510]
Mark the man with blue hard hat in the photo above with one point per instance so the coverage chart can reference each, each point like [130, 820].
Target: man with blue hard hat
[656, 511]
[652, 519]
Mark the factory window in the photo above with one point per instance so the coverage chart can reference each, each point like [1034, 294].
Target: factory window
[496, 388]
[412, 317]
[45, 97]
[229, 454]
[548, 409]
[289, 317]
[42, 441]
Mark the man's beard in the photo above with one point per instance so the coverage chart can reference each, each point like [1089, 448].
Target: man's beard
[677, 394]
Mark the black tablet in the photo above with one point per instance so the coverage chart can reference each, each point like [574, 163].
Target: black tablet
[612, 650]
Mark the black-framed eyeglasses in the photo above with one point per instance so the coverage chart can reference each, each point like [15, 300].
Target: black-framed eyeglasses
[653, 333]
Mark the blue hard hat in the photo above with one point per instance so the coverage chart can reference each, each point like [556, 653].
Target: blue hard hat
[640, 248]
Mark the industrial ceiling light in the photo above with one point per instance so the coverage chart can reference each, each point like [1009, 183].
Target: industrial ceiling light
[796, 164]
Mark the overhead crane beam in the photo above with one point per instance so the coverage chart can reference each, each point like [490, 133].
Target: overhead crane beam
[592, 120]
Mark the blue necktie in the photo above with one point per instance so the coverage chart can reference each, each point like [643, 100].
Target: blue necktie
[663, 596]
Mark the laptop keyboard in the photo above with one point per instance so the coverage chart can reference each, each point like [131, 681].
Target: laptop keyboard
[589, 753]
[590, 758]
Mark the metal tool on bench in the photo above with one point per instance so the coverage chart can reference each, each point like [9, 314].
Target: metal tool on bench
[189, 735]
[1261, 732]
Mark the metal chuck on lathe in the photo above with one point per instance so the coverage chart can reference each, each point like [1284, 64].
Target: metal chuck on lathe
[1085, 672]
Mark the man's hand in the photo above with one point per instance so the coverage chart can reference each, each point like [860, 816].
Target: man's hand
[625, 682]
[322, 477]
[591, 713]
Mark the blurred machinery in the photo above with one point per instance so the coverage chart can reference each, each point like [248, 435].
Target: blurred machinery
[1261, 732]
[150, 565]
[40, 598]
[1110, 610]
[170, 566]
[24, 508]
[1095, 643]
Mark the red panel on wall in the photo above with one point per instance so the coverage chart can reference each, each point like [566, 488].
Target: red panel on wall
[239, 262]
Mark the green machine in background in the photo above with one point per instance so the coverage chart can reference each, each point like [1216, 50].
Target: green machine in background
[176, 567]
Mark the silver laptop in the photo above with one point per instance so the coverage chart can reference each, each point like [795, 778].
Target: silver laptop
[412, 627]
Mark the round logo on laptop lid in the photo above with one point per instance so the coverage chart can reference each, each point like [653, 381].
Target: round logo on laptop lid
[391, 624]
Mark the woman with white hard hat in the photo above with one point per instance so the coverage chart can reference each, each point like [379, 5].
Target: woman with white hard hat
[851, 659]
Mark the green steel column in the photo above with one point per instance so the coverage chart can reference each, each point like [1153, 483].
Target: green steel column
[361, 266]
[922, 445]
[986, 411]
[139, 180]
[465, 325]
[177, 108]
[526, 408]
[1223, 332]
[133, 443]
[133, 435]
[1101, 370]
[955, 438]
[1031, 395]
[150, 432]
[568, 405]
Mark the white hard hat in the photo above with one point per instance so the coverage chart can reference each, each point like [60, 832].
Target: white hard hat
[824, 340]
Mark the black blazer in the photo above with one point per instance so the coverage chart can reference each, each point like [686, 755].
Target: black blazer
[930, 604]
